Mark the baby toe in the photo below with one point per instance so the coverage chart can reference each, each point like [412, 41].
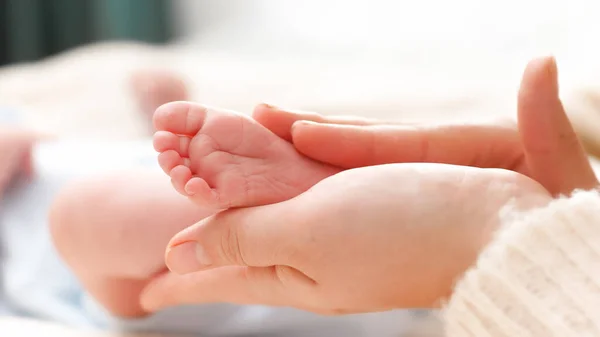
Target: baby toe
[168, 160]
[182, 118]
[201, 193]
[197, 187]
[180, 175]
[165, 141]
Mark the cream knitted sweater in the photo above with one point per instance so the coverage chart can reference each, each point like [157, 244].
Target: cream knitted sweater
[540, 277]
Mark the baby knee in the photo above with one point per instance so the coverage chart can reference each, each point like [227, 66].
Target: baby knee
[63, 217]
[71, 217]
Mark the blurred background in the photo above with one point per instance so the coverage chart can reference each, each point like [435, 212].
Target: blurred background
[390, 59]
[32, 29]
[90, 69]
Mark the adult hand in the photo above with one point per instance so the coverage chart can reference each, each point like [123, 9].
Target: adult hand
[367, 239]
[544, 130]
[356, 241]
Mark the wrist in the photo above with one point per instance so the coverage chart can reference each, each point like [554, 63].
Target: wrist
[512, 196]
[542, 257]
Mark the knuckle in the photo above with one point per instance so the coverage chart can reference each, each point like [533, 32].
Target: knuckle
[283, 274]
[569, 139]
[230, 247]
[292, 277]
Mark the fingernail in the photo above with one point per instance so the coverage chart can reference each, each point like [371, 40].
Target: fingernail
[271, 106]
[186, 258]
[303, 123]
[295, 126]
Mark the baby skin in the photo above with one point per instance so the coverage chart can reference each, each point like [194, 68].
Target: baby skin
[218, 159]
[221, 159]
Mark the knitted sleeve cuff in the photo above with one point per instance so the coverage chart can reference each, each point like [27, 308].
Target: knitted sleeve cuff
[539, 277]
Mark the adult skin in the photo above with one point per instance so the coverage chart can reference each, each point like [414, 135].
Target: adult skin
[391, 236]
[543, 147]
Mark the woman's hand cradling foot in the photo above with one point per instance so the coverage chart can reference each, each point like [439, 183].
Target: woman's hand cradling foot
[353, 243]
[383, 237]
[544, 147]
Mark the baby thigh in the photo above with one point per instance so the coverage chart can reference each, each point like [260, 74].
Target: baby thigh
[112, 231]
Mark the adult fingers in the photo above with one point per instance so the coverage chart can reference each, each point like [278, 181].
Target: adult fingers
[351, 142]
[351, 146]
[275, 286]
[257, 236]
[553, 152]
[280, 121]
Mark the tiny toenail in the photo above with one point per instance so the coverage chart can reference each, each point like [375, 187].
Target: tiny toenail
[188, 190]
[187, 257]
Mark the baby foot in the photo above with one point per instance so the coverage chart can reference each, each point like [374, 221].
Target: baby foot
[223, 159]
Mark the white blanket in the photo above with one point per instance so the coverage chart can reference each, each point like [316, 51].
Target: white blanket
[37, 284]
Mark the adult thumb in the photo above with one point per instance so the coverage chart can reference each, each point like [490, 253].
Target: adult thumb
[553, 152]
[253, 237]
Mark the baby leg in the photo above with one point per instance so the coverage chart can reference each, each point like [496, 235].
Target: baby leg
[112, 232]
